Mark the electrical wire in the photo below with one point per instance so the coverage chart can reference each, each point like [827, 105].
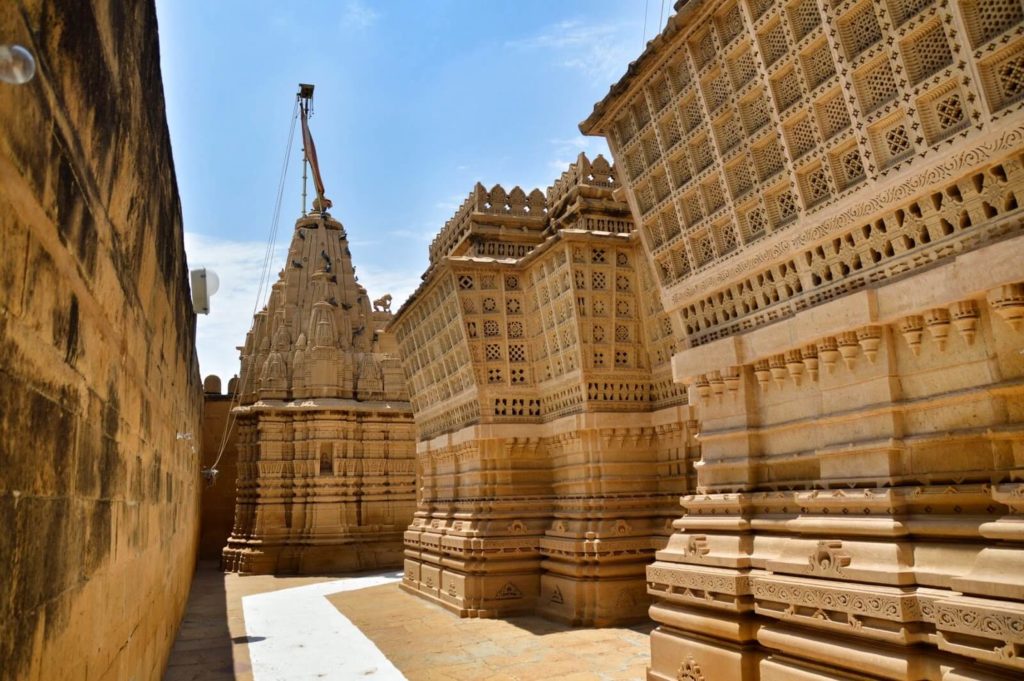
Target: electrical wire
[263, 288]
[646, 5]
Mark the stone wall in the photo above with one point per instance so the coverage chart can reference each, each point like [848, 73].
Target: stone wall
[218, 502]
[99, 384]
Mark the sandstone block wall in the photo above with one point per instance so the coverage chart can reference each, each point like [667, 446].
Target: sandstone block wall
[218, 499]
[98, 376]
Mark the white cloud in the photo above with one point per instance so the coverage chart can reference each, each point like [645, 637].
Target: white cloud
[600, 51]
[425, 235]
[380, 281]
[566, 151]
[239, 265]
[358, 15]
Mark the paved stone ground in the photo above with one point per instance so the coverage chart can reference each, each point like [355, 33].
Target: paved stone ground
[424, 641]
[428, 643]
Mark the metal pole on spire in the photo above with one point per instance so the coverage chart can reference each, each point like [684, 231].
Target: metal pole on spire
[321, 203]
[305, 95]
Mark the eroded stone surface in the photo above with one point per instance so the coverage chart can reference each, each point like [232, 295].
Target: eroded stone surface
[100, 394]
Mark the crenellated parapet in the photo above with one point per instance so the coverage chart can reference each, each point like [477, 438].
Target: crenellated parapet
[599, 174]
[485, 213]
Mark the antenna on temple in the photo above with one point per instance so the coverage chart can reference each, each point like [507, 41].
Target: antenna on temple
[321, 203]
[305, 97]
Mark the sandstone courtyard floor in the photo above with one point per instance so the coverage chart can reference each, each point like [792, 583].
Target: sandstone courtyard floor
[364, 627]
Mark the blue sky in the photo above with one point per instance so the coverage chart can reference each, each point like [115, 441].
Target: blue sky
[415, 102]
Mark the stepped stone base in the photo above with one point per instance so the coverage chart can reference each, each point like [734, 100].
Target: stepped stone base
[326, 557]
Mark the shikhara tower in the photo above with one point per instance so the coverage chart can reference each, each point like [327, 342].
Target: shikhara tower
[325, 430]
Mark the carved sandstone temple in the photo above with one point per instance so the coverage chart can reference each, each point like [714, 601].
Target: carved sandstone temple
[829, 191]
[325, 431]
[553, 445]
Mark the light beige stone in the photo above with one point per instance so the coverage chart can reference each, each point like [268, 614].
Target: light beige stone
[553, 443]
[830, 194]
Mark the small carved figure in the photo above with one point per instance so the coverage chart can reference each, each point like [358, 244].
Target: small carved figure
[382, 304]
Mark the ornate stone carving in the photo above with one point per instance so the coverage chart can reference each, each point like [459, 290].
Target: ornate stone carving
[690, 671]
[964, 316]
[536, 313]
[1008, 302]
[912, 328]
[829, 558]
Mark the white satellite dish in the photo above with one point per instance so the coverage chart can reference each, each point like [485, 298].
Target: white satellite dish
[204, 284]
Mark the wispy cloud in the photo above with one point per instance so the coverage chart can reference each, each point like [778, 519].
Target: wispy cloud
[566, 150]
[239, 265]
[601, 51]
[424, 235]
[358, 15]
[399, 283]
[451, 204]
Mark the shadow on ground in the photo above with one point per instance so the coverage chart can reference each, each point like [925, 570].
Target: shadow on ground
[204, 648]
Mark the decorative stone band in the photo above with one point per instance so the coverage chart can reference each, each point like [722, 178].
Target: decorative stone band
[825, 353]
[889, 238]
[933, 302]
[985, 629]
[903, 188]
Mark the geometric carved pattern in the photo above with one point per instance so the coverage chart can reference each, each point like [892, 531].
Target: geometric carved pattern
[773, 43]
[904, 10]
[786, 88]
[832, 115]
[804, 17]
[800, 136]
[847, 90]
[859, 30]
[755, 113]
[875, 85]
[986, 19]
[818, 65]
[768, 159]
[926, 52]
[950, 111]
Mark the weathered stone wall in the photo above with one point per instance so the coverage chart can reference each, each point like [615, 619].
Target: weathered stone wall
[218, 502]
[98, 376]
